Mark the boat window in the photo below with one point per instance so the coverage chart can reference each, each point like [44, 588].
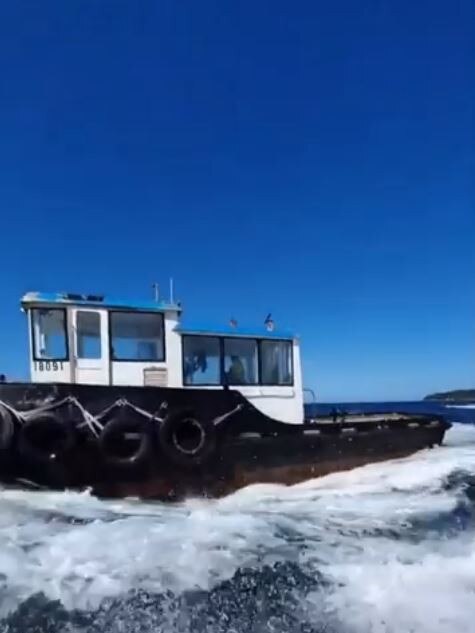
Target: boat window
[276, 363]
[201, 360]
[88, 333]
[49, 334]
[137, 336]
[240, 361]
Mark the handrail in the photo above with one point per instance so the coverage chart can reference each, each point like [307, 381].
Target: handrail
[313, 394]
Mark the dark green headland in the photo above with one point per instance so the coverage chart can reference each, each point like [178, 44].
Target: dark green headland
[457, 395]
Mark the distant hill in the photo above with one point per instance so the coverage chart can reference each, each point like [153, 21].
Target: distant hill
[457, 395]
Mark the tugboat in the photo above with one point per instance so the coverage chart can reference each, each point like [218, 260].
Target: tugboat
[128, 400]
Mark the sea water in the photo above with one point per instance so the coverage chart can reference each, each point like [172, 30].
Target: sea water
[386, 548]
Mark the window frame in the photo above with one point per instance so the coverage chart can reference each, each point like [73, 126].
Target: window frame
[258, 372]
[222, 382]
[38, 359]
[220, 359]
[78, 312]
[292, 372]
[160, 315]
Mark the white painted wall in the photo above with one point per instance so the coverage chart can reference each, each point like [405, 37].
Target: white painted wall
[173, 350]
[132, 373]
[46, 371]
[283, 403]
[50, 371]
[89, 371]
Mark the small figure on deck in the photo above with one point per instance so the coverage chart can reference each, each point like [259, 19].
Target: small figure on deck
[236, 373]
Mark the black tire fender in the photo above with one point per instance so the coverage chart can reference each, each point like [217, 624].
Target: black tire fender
[187, 439]
[46, 437]
[115, 437]
[7, 428]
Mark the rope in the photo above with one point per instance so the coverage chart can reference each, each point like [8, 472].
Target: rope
[92, 422]
[225, 416]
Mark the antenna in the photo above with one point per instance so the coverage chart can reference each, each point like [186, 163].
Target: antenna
[171, 290]
[156, 292]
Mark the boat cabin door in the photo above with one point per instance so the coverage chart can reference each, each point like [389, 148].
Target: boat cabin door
[90, 346]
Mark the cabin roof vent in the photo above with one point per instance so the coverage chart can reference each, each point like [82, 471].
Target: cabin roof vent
[72, 296]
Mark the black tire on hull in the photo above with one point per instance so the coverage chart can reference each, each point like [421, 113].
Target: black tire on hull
[46, 438]
[187, 440]
[126, 442]
[7, 428]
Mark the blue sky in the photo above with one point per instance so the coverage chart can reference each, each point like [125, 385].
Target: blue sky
[312, 159]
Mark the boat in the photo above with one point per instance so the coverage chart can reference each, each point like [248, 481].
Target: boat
[128, 399]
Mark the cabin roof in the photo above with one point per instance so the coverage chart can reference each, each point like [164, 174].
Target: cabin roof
[31, 299]
[227, 330]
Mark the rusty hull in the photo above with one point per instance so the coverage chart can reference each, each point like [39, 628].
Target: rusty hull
[275, 461]
[276, 453]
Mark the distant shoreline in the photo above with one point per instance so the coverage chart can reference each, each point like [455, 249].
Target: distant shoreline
[457, 395]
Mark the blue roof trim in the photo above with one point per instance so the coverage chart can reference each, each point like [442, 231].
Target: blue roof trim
[34, 298]
[223, 330]
[61, 299]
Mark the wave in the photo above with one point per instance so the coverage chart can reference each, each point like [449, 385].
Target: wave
[460, 406]
[384, 548]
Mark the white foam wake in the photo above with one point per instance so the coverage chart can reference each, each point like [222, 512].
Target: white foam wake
[352, 526]
[460, 406]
